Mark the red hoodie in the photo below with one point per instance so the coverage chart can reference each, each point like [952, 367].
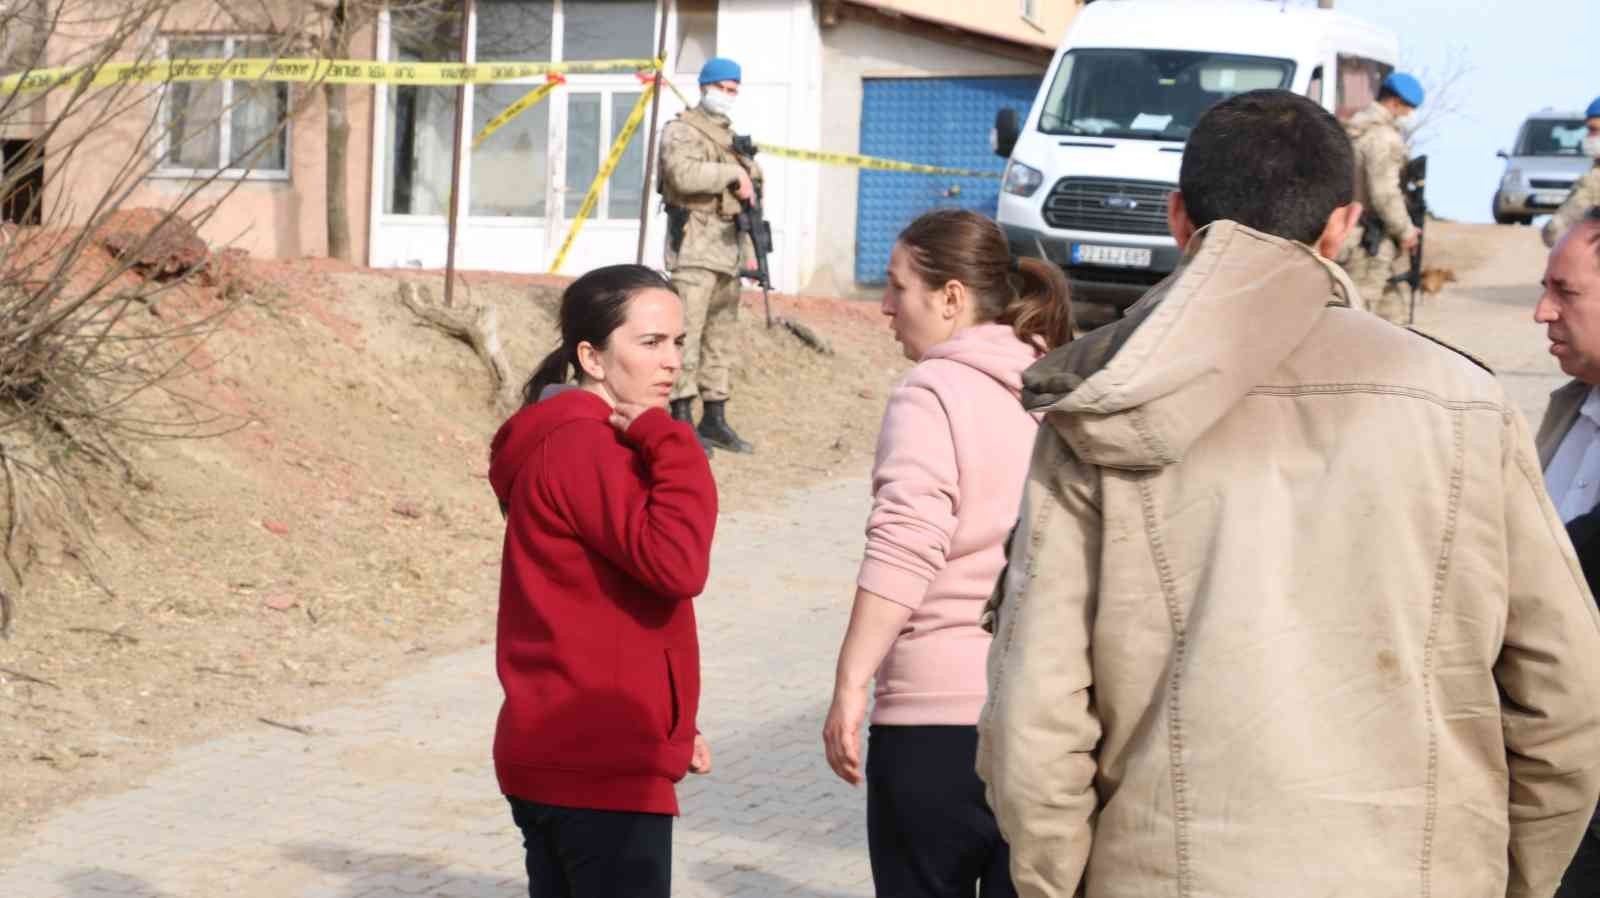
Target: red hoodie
[608, 538]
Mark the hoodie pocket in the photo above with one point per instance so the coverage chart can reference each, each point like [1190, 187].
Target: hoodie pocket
[675, 697]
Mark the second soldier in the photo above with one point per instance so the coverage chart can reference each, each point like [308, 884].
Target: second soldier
[705, 184]
[1381, 246]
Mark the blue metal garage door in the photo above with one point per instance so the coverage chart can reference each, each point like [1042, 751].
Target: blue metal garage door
[937, 121]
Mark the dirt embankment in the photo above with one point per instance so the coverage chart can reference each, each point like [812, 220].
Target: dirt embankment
[343, 529]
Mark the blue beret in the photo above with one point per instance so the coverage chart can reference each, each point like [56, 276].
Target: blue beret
[1594, 109]
[719, 68]
[1405, 87]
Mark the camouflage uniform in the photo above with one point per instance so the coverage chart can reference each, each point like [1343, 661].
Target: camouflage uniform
[1585, 196]
[700, 173]
[1381, 156]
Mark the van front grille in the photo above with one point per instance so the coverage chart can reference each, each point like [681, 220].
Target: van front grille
[1549, 184]
[1109, 206]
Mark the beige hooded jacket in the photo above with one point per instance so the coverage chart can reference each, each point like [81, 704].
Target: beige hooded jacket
[1287, 611]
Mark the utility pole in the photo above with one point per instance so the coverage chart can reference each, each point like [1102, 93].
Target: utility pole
[1324, 4]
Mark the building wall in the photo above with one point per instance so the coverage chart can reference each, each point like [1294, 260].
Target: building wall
[851, 52]
[1000, 18]
[271, 218]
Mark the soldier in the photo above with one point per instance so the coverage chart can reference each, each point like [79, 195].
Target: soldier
[1586, 193]
[704, 183]
[1382, 245]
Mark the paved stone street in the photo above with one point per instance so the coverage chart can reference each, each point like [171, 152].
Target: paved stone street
[395, 796]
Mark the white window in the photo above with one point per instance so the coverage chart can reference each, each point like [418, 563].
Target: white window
[565, 138]
[1030, 11]
[594, 119]
[237, 128]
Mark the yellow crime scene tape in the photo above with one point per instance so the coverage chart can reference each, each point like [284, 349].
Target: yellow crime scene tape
[332, 71]
[593, 196]
[856, 161]
[529, 100]
[853, 160]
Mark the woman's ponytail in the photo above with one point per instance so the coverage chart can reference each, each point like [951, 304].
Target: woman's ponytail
[1041, 313]
[551, 371]
[1030, 295]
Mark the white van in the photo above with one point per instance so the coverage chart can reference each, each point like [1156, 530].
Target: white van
[1090, 169]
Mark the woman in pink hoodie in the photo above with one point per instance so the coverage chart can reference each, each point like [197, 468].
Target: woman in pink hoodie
[951, 460]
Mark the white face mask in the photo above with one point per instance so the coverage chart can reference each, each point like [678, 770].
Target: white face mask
[718, 103]
[1591, 146]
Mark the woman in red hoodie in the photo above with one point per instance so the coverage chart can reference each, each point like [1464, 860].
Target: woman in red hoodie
[610, 508]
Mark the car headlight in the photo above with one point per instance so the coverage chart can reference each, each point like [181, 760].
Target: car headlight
[1021, 180]
[1512, 180]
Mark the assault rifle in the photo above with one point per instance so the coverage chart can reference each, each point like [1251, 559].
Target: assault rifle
[753, 223]
[1413, 184]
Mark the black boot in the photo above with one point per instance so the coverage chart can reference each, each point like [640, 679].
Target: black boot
[714, 429]
[683, 410]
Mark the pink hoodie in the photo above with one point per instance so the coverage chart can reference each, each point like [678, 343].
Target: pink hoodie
[952, 458]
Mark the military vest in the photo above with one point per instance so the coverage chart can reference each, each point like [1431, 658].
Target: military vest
[720, 137]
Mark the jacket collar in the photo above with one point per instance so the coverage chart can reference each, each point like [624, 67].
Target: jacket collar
[1138, 393]
[1565, 404]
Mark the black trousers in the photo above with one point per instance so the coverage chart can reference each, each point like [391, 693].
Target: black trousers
[1582, 879]
[929, 829]
[581, 853]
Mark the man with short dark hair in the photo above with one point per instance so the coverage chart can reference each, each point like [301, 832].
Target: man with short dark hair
[1381, 245]
[1246, 647]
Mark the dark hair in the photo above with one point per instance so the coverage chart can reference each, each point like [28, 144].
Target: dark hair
[1030, 295]
[1385, 93]
[592, 307]
[1271, 160]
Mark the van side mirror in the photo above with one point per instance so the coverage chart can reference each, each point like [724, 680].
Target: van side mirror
[1006, 131]
[1502, 154]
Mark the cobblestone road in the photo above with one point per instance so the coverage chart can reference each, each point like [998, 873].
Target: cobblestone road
[395, 795]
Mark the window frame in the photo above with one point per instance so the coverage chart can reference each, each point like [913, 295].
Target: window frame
[606, 84]
[1031, 13]
[225, 136]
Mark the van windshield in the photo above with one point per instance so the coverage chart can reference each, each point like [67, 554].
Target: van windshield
[1149, 94]
[1552, 137]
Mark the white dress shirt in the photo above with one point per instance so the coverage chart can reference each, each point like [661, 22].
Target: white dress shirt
[1573, 478]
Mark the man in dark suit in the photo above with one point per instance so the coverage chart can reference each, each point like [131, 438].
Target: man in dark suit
[1569, 439]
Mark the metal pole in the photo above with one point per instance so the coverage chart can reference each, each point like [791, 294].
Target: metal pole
[455, 163]
[650, 146]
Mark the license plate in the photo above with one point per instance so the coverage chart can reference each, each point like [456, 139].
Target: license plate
[1549, 199]
[1115, 256]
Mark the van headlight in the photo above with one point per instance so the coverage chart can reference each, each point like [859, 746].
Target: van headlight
[1021, 180]
[1511, 181]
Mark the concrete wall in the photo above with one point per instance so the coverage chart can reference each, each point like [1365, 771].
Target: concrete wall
[271, 218]
[852, 52]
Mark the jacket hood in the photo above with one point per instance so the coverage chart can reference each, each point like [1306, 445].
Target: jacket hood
[1137, 393]
[524, 431]
[994, 349]
[1368, 119]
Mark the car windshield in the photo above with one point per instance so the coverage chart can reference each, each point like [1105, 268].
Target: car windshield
[1552, 137]
[1149, 94]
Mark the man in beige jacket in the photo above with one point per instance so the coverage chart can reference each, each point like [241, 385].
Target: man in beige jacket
[1244, 647]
